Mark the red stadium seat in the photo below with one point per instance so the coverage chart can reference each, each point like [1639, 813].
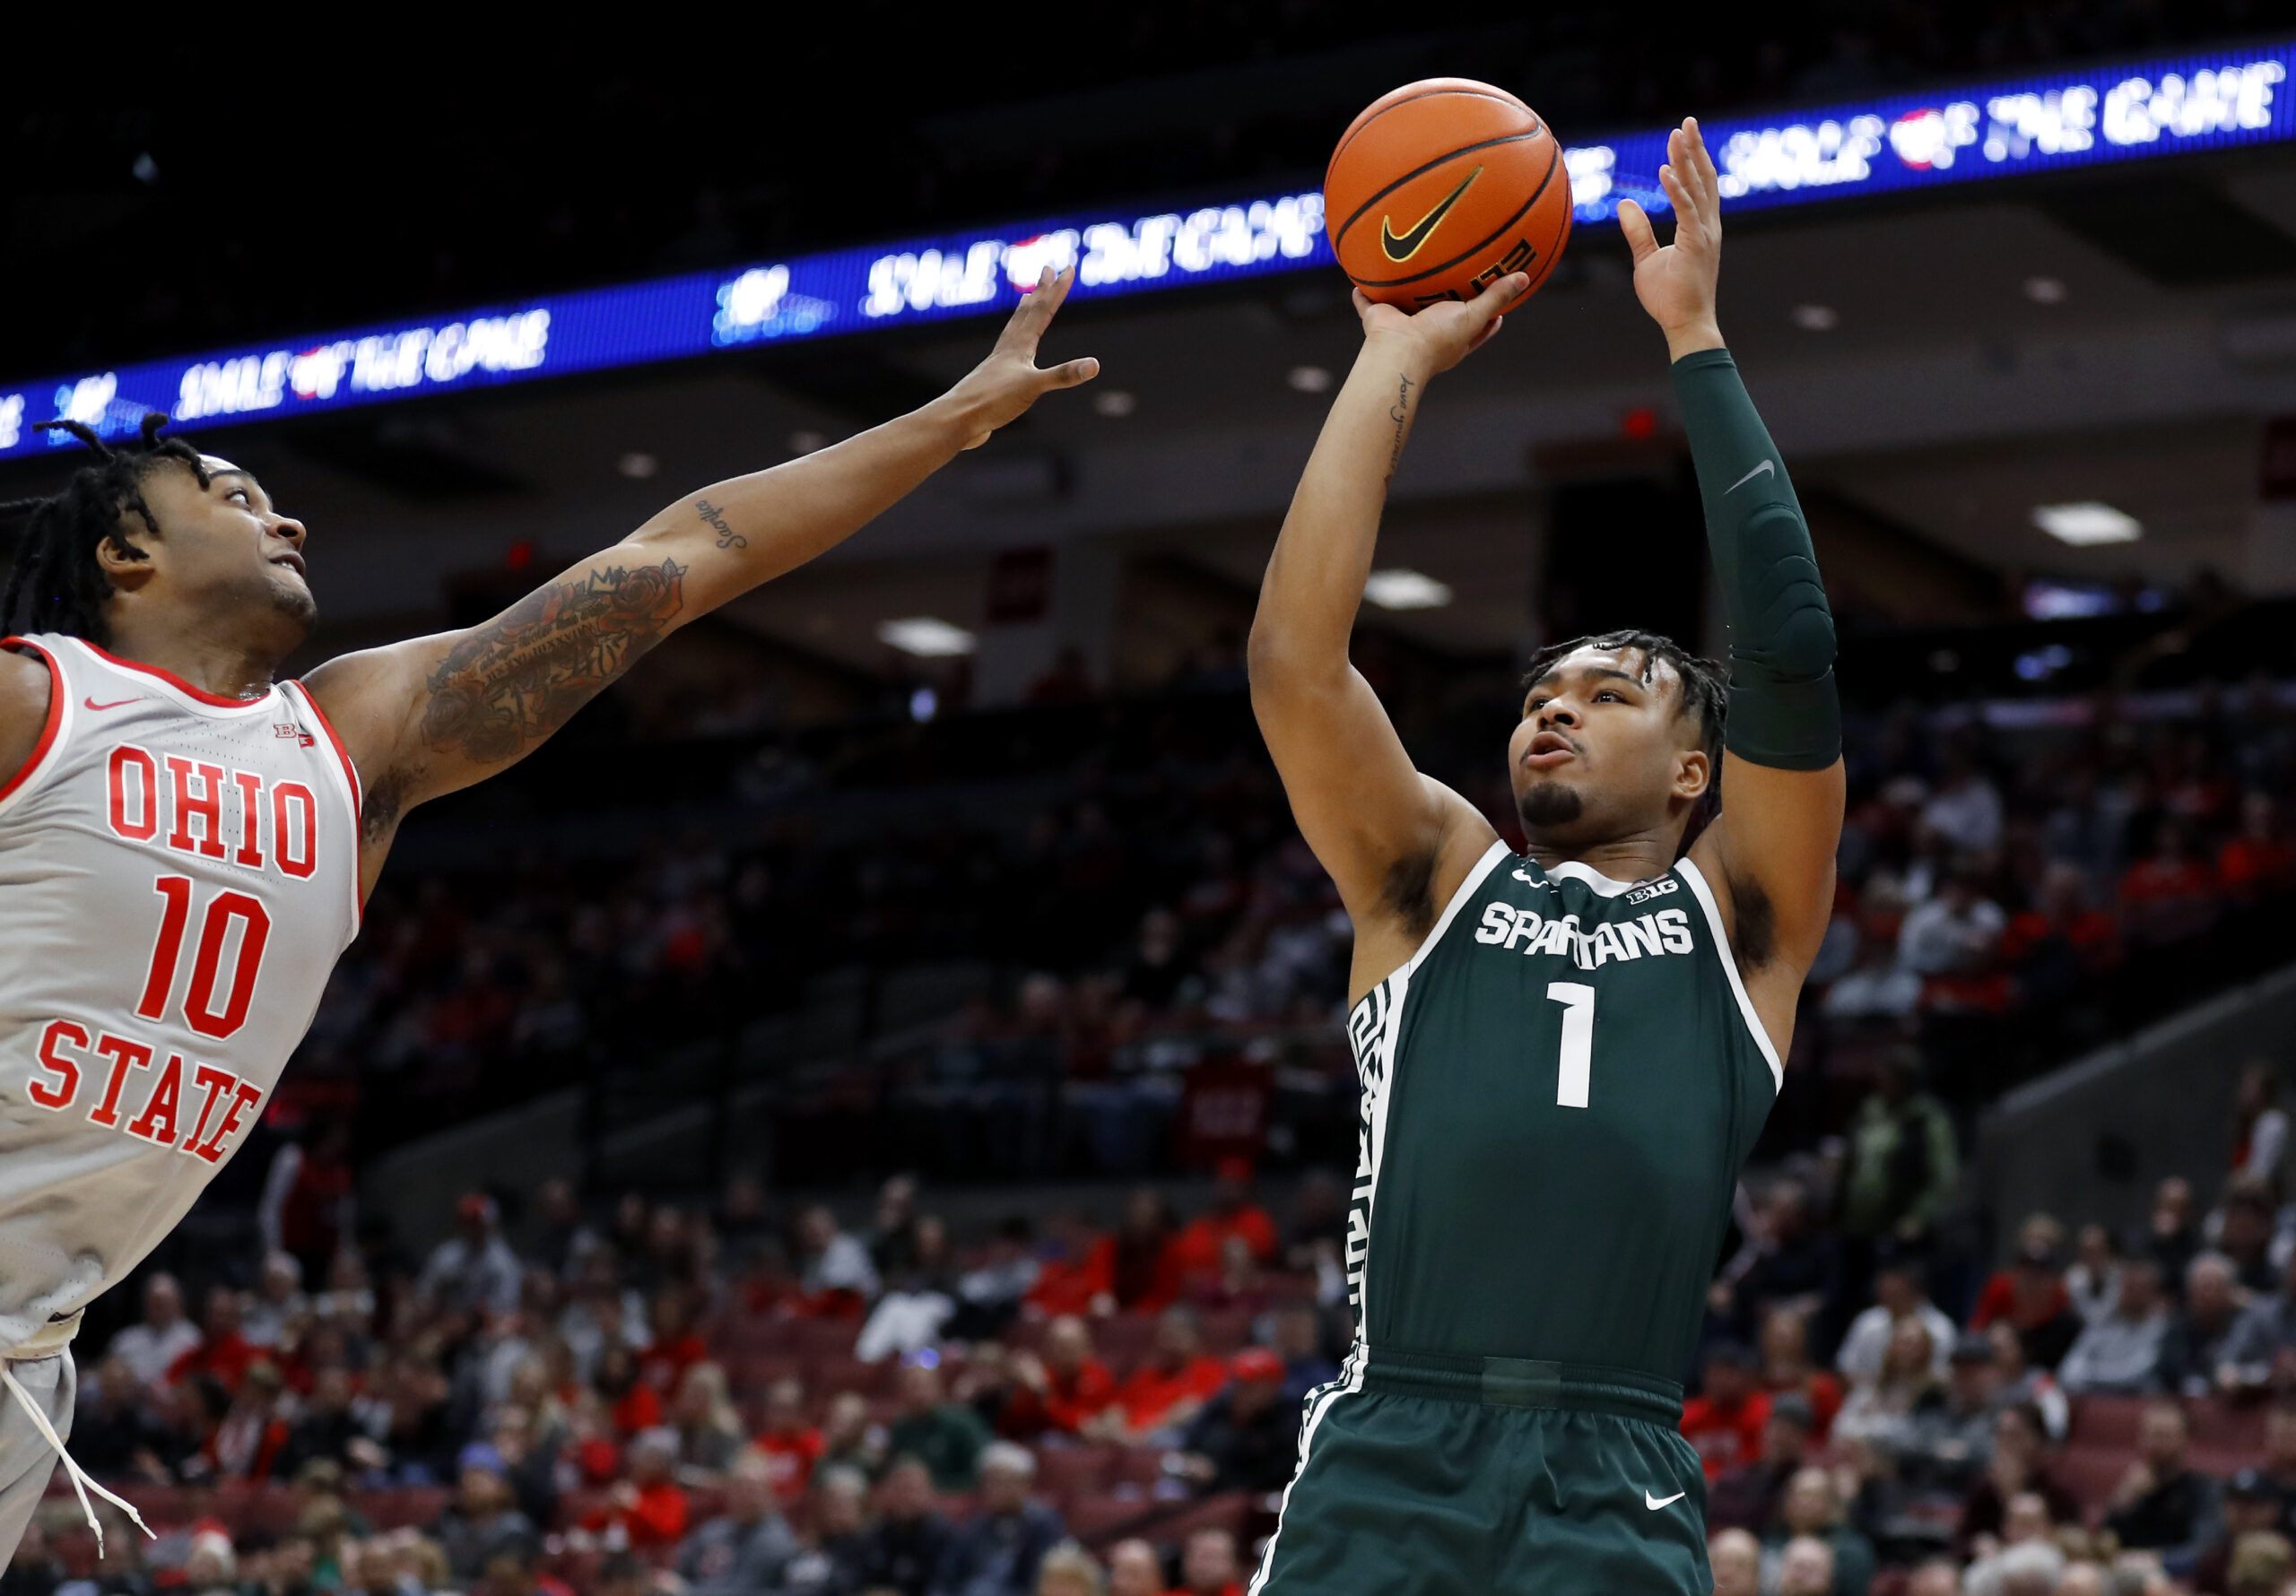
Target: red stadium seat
[830, 1376]
[1142, 1466]
[1227, 1330]
[402, 1506]
[1066, 1472]
[2091, 1473]
[1098, 1520]
[2105, 1420]
[2227, 1427]
[1123, 1340]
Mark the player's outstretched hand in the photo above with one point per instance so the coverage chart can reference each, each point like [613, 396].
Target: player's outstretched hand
[1677, 281]
[1449, 331]
[1001, 387]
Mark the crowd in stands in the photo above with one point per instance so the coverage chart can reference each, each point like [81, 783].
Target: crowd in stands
[1146, 908]
[712, 1400]
[727, 1398]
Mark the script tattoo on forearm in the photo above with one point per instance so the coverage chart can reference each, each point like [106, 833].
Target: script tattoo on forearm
[520, 677]
[727, 538]
[1399, 412]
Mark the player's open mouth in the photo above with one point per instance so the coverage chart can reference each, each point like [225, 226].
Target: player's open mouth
[1549, 749]
[294, 562]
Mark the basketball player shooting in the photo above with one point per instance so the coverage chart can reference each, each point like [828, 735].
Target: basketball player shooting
[1566, 1054]
[185, 842]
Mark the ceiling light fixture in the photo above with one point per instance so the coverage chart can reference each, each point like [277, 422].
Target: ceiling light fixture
[638, 464]
[926, 637]
[1114, 401]
[2087, 522]
[1816, 319]
[1309, 379]
[1403, 589]
[806, 440]
[2045, 291]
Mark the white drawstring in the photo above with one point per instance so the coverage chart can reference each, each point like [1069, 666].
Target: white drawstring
[79, 1481]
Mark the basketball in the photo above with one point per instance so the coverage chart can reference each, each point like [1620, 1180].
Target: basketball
[1441, 187]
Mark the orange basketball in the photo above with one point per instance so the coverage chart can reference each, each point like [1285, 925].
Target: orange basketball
[1443, 187]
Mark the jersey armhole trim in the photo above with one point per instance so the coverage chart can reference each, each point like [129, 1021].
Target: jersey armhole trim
[54, 731]
[1728, 957]
[1482, 867]
[296, 692]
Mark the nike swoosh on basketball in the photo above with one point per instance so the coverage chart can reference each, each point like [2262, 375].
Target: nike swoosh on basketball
[1764, 469]
[90, 702]
[1400, 250]
[1656, 1502]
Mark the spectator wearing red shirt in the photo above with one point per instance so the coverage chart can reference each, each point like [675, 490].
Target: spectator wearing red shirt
[1726, 1420]
[1063, 1390]
[631, 1399]
[223, 1353]
[2258, 861]
[676, 1348]
[2031, 1295]
[649, 1507]
[1147, 1277]
[1176, 1379]
[1232, 1213]
[2170, 894]
[791, 1445]
[1786, 1368]
[1076, 1272]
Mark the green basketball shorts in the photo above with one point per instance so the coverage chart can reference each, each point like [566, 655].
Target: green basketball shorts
[1442, 1476]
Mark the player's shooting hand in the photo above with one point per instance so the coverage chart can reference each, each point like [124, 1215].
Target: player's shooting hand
[1675, 282]
[1448, 332]
[1001, 387]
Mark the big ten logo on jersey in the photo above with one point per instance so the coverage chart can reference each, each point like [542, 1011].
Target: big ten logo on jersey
[1506, 927]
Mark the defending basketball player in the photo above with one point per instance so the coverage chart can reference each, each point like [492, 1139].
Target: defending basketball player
[186, 843]
[1565, 1055]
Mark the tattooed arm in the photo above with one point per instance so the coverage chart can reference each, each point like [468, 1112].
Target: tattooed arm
[1396, 843]
[435, 714]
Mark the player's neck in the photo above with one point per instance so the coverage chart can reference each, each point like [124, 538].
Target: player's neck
[206, 657]
[1622, 859]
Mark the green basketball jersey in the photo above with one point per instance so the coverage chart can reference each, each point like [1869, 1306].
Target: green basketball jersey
[1559, 1089]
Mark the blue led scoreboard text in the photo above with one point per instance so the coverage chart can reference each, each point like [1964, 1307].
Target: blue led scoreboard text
[1903, 143]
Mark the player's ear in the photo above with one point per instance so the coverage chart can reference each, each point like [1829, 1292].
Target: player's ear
[126, 565]
[1693, 772]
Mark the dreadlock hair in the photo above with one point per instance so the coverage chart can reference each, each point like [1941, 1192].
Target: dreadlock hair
[55, 581]
[1705, 689]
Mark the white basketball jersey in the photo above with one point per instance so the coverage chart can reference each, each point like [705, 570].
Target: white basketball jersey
[178, 874]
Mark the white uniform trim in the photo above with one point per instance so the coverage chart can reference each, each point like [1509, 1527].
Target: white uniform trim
[1391, 991]
[57, 733]
[1571, 870]
[1705, 896]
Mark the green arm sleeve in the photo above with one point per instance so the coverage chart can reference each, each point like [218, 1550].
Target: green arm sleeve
[1783, 710]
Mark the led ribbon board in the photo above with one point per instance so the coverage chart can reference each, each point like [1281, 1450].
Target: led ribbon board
[1897, 145]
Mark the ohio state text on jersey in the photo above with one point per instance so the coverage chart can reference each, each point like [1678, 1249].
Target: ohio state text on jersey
[178, 874]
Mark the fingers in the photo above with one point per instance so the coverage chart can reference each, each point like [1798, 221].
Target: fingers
[1070, 373]
[1685, 203]
[1632, 222]
[1709, 180]
[1034, 313]
[1493, 300]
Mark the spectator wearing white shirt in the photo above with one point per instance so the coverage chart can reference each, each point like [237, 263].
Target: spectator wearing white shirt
[150, 1346]
[279, 1302]
[2260, 1126]
[2119, 1355]
[1898, 1294]
[474, 1268]
[1954, 931]
[1966, 808]
[834, 1260]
